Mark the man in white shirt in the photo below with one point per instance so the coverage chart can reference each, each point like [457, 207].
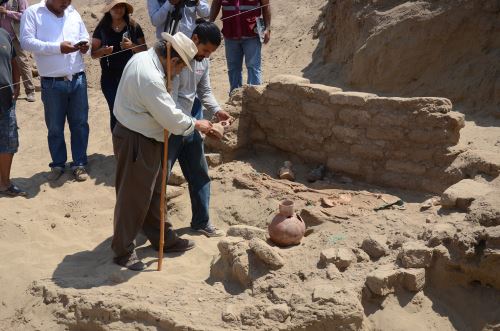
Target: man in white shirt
[161, 10]
[144, 108]
[55, 33]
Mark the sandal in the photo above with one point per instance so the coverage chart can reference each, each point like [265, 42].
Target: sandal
[14, 191]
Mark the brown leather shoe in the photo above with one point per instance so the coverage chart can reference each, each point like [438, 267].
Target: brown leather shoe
[130, 262]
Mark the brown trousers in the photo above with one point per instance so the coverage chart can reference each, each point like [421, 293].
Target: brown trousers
[23, 61]
[138, 190]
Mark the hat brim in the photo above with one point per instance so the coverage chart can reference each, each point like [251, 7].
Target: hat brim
[169, 38]
[111, 5]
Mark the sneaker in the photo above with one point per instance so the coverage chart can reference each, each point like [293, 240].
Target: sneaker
[30, 97]
[55, 173]
[14, 191]
[210, 231]
[181, 245]
[131, 262]
[80, 174]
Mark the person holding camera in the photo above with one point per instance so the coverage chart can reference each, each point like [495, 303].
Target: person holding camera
[116, 32]
[176, 15]
[243, 37]
[55, 33]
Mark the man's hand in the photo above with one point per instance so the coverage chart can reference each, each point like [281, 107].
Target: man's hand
[174, 2]
[67, 47]
[84, 48]
[17, 90]
[126, 43]
[267, 36]
[223, 116]
[203, 126]
[3, 10]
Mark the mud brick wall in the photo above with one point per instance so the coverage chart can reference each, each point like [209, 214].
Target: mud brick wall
[400, 142]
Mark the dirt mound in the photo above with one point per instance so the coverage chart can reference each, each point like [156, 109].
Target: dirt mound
[442, 48]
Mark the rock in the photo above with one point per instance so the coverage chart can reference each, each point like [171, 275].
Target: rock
[213, 159]
[234, 261]
[278, 313]
[341, 257]
[332, 272]
[375, 246]
[67, 215]
[53, 225]
[462, 194]
[415, 255]
[247, 232]
[324, 293]
[174, 192]
[93, 15]
[413, 279]
[176, 177]
[361, 256]
[229, 314]
[250, 315]
[429, 203]
[485, 210]
[313, 216]
[383, 281]
[266, 253]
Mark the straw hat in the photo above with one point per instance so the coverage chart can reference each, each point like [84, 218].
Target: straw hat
[111, 3]
[182, 45]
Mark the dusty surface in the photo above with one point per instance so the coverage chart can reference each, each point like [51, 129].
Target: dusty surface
[431, 268]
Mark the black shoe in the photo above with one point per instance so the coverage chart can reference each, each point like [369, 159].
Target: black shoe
[14, 191]
[181, 245]
[131, 262]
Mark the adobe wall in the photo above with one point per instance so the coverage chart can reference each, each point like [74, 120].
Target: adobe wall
[399, 142]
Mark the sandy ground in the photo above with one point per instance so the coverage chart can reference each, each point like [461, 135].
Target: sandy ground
[59, 237]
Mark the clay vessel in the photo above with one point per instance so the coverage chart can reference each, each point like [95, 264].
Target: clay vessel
[218, 129]
[286, 228]
[286, 172]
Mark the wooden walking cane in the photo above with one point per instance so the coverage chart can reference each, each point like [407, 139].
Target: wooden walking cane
[163, 206]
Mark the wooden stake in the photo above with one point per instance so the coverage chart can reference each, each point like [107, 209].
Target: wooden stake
[163, 206]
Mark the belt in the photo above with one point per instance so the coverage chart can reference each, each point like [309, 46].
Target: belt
[64, 78]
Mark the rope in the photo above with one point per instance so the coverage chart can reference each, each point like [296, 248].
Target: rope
[136, 46]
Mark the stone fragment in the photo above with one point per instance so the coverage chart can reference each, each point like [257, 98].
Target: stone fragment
[174, 192]
[278, 313]
[383, 281]
[246, 232]
[462, 194]
[375, 246]
[229, 314]
[413, 279]
[485, 210]
[250, 315]
[332, 272]
[361, 255]
[213, 159]
[313, 216]
[266, 253]
[341, 257]
[176, 177]
[429, 203]
[415, 255]
[324, 293]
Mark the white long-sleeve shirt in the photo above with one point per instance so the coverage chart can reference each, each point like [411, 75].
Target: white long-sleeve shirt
[158, 14]
[196, 83]
[142, 102]
[42, 33]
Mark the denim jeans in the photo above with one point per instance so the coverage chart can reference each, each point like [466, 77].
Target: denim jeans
[109, 87]
[66, 99]
[250, 49]
[197, 111]
[190, 152]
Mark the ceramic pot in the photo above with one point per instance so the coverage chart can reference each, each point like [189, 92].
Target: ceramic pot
[286, 228]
